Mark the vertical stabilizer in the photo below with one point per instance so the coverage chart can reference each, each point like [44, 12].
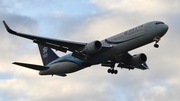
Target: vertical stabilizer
[47, 54]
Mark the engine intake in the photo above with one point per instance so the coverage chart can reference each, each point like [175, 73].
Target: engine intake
[92, 47]
[138, 59]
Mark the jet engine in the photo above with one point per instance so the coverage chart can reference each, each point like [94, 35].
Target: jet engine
[92, 47]
[138, 59]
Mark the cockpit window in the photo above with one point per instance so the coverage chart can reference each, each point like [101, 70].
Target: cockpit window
[157, 23]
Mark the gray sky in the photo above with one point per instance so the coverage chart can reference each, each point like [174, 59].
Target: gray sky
[85, 21]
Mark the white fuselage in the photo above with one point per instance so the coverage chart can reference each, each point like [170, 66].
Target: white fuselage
[134, 38]
[122, 42]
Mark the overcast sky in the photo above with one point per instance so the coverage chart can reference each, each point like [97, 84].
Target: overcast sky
[85, 21]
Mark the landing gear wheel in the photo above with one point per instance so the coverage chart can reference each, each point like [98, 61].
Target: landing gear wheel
[115, 71]
[156, 45]
[112, 71]
[109, 70]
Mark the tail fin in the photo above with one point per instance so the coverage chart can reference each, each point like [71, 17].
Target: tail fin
[47, 54]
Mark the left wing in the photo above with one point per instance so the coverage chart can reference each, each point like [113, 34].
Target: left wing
[60, 45]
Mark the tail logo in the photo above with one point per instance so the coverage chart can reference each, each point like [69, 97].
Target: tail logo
[45, 53]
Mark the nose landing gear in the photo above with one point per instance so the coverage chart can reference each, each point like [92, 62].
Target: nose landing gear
[156, 45]
[156, 39]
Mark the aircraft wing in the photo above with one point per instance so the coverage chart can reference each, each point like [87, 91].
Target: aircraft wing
[60, 45]
[125, 62]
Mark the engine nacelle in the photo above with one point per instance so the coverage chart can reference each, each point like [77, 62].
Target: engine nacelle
[92, 47]
[138, 59]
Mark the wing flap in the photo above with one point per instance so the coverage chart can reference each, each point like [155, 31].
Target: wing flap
[31, 66]
[57, 47]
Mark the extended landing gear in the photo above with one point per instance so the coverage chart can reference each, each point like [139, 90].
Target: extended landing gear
[112, 71]
[156, 45]
[110, 64]
[156, 39]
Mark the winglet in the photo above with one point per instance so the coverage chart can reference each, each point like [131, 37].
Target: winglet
[8, 28]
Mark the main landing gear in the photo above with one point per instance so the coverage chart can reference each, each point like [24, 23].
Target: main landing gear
[156, 39]
[112, 70]
[110, 64]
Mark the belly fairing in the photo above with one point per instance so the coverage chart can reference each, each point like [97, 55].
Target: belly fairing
[65, 67]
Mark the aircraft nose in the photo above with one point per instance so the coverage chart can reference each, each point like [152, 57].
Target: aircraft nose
[165, 28]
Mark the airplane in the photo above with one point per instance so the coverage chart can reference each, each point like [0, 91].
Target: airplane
[108, 52]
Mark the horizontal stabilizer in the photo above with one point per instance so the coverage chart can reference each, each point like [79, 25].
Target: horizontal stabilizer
[32, 66]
